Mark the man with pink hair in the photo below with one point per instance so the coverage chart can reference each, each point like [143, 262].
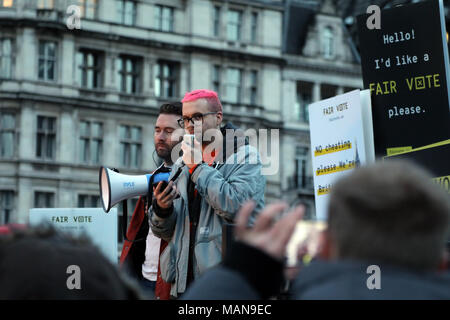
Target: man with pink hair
[220, 172]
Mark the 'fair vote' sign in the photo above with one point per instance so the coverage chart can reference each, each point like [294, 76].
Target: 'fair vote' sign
[94, 223]
[405, 66]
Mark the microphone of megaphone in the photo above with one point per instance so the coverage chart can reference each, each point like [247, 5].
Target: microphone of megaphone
[115, 187]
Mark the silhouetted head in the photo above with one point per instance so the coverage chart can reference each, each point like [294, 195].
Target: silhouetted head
[391, 212]
[41, 263]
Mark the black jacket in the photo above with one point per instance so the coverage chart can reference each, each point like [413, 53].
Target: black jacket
[248, 273]
[348, 280]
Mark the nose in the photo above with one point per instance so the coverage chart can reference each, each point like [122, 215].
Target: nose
[190, 127]
[161, 136]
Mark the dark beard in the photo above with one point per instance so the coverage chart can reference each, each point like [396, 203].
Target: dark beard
[165, 156]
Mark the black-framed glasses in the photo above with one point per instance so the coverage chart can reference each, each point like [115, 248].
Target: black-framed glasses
[195, 118]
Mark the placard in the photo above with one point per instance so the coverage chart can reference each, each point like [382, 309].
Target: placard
[341, 139]
[405, 66]
[99, 226]
[435, 158]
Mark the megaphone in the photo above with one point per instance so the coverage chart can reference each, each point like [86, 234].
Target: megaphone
[115, 187]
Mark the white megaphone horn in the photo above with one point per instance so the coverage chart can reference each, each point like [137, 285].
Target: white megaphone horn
[115, 187]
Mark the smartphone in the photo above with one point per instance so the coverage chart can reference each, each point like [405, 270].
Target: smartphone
[174, 177]
[164, 184]
[305, 243]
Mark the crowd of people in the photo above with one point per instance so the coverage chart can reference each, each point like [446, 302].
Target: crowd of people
[389, 215]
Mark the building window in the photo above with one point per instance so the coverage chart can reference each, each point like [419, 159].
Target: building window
[234, 25]
[89, 69]
[91, 138]
[46, 4]
[46, 137]
[328, 43]
[128, 80]
[164, 18]
[6, 3]
[216, 74]
[253, 87]
[348, 89]
[254, 27]
[6, 58]
[88, 201]
[301, 158]
[88, 8]
[327, 91]
[44, 199]
[130, 146]
[216, 21]
[234, 81]
[6, 206]
[303, 100]
[47, 60]
[126, 12]
[7, 135]
[166, 76]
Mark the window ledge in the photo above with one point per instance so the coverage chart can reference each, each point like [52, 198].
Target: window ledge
[51, 14]
[241, 104]
[132, 96]
[301, 121]
[96, 92]
[44, 161]
[47, 81]
[163, 98]
[9, 159]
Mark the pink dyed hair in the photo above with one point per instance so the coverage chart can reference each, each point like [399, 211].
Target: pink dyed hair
[210, 96]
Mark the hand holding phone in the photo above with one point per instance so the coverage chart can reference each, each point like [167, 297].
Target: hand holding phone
[164, 183]
[165, 196]
[306, 242]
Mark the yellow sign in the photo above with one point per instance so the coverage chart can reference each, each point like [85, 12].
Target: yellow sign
[333, 168]
[444, 182]
[323, 191]
[333, 148]
[392, 151]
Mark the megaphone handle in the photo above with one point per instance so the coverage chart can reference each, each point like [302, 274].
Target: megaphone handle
[124, 214]
[125, 223]
[150, 190]
[124, 219]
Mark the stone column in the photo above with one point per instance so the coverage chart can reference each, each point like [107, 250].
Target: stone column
[147, 76]
[27, 142]
[111, 143]
[316, 92]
